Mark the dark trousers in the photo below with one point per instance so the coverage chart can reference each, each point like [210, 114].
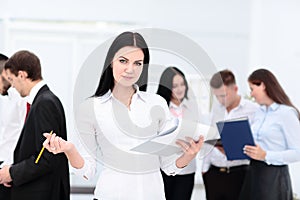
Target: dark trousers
[179, 187]
[224, 183]
[267, 182]
[4, 193]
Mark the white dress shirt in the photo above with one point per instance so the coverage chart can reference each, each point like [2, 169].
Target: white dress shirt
[186, 108]
[34, 90]
[12, 121]
[245, 108]
[124, 174]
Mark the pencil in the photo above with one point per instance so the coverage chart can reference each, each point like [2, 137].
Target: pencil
[41, 152]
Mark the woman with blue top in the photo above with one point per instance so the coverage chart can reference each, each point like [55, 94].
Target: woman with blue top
[276, 131]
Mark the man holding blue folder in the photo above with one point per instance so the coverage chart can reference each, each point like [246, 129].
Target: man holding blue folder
[222, 178]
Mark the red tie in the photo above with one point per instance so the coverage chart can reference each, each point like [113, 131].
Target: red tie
[27, 110]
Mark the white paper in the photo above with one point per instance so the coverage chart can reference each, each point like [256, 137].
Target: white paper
[165, 144]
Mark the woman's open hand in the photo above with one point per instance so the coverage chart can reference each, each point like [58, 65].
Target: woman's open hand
[56, 144]
[190, 149]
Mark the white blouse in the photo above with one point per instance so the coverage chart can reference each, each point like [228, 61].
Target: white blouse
[109, 130]
[184, 110]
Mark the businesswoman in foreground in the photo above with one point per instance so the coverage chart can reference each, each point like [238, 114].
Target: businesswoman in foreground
[276, 131]
[122, 85]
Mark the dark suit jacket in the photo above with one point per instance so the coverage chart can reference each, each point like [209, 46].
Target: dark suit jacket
[49, 178]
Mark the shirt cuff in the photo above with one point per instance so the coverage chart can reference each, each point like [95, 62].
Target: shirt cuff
[82, 172]
[272, 158]
[172, 170]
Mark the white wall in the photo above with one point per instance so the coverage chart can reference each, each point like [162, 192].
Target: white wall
[275, 42]
[275, 45]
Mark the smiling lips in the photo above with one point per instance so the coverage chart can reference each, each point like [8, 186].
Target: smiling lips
[127, 77]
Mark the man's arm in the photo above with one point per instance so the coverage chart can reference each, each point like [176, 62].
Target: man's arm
[46, 116]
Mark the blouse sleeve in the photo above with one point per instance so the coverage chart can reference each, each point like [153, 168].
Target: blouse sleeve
[291, 130]
[87, 132]
[88, 170]
[168, 163]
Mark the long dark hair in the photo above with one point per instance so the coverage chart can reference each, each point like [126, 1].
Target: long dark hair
[166, 83]
[124, 39]
[273, 88]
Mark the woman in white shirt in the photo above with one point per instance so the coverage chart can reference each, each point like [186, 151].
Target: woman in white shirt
[119, 117]
[173, 87]
[276, 130]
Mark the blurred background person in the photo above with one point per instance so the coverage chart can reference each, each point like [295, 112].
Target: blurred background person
[223, 178]
[173, 87]
[12, 118]
[276, 131]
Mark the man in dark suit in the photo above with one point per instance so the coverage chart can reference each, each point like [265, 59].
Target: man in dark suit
[48, 179]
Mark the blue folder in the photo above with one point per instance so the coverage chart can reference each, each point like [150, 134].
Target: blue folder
[235, 134]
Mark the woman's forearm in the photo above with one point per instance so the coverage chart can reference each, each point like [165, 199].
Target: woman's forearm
[74, 157]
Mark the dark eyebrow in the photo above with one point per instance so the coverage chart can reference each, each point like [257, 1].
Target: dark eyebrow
[139, 61]
[124, 57]
[128, 59]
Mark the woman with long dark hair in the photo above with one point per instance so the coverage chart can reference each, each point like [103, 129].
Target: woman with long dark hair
[118, 100]
[276, 130]
[173, 87]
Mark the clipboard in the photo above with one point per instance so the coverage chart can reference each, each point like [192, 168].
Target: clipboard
[214, 142]
[235, 134]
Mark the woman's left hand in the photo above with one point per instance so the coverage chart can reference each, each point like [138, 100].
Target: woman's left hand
[190, 147]
[255, 152]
